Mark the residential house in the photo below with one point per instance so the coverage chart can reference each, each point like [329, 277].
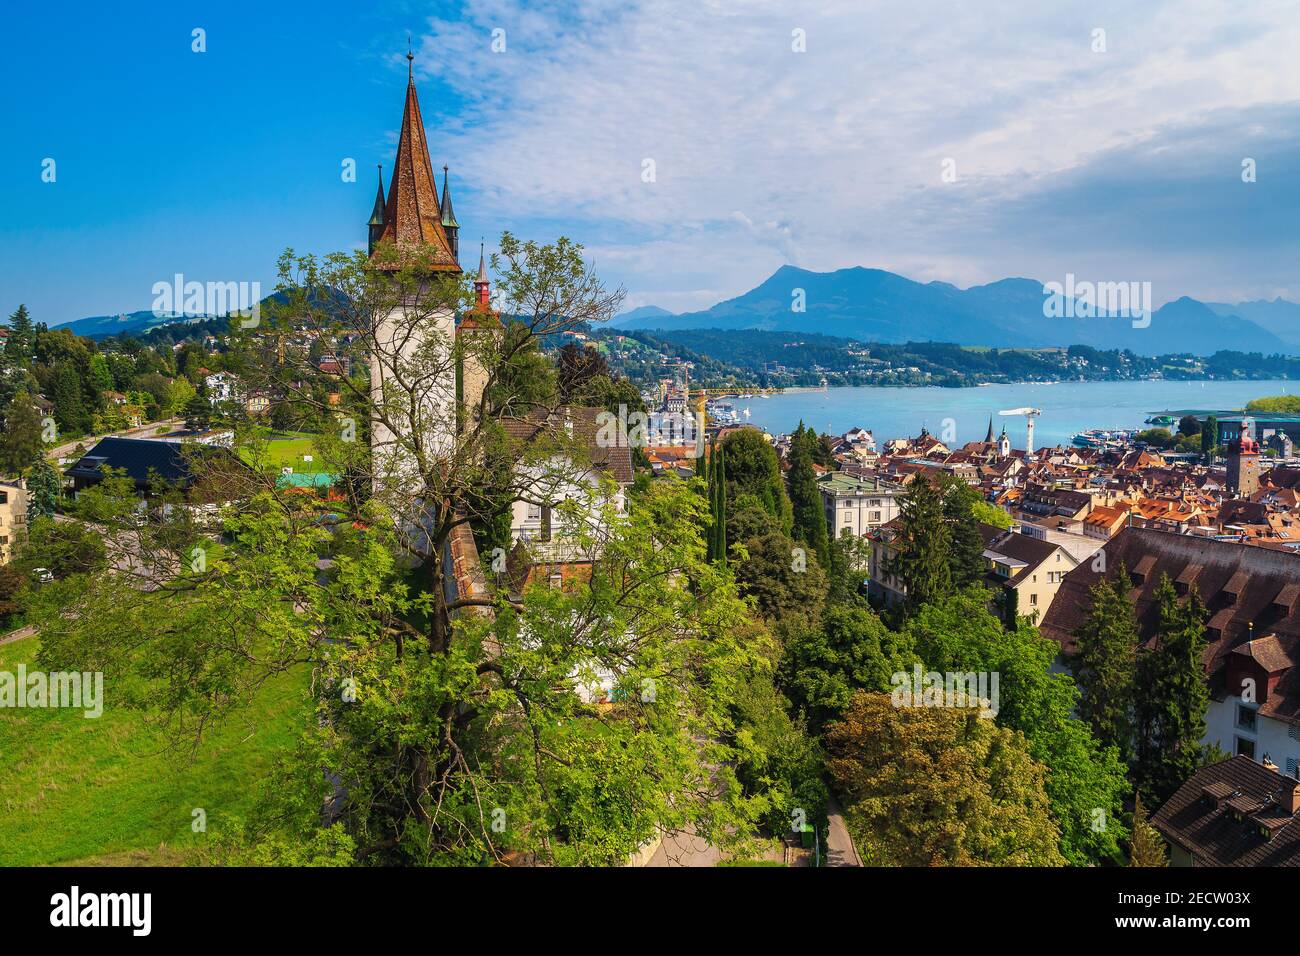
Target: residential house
[1252, 630]
[1233, 813]
[564, 476]
[857, 504]
[13, 516]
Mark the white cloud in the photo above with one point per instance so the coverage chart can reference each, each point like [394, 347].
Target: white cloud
[830, 157]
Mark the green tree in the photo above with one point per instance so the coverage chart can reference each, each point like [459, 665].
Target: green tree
[717, 505]
[1210, 435]
[922, 545]
[779, 761]
[22, 337]
[197, 412]
[753, 469]
[966, 553]
[1104, 663]
[101, 376]
[1086, 780]
[21, 442]
[782, 577]
[1147, 847]
[64, 547]
[1171, 695]
[809, 511]
[70, 411]
[933, 786]
[43, 491]
[823, 666]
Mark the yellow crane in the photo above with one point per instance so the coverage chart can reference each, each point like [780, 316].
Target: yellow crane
[701, 398]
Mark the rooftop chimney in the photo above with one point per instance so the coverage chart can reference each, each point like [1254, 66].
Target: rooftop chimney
[1290, 798]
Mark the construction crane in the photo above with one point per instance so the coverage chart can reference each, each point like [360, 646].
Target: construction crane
[1030, 414]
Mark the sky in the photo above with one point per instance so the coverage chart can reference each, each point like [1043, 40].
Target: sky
[692, 147]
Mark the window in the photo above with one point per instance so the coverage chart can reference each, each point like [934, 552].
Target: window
[1246, 748]
[1246, 718]
[556, 580]
[1033, 600]
[875, 516]
[1291, 764]
[848, 518]
[534, 512]
[1293, 731]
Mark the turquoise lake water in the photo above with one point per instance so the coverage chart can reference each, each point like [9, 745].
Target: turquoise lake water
[1068, 407]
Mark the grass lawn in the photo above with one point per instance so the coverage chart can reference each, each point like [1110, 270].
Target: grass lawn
[100, 791]
[286, 453]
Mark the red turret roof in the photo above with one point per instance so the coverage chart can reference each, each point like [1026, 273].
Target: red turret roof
[412, 217]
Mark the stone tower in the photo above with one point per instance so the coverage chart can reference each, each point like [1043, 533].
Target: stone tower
[1243, 463]
[411, 219]
[476, 325]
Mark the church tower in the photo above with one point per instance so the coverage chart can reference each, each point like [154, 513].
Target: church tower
[410, 220]
[1243, 463]
[477, 328]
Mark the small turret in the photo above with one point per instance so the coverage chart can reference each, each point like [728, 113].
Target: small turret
[449, 224]
[482, 289]
[377, 214]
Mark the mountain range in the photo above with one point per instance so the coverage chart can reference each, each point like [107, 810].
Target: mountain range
[873, 305]
[102, 326]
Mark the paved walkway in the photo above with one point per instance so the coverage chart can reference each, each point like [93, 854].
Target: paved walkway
[685, 849]
[18, 635]
[840, 850]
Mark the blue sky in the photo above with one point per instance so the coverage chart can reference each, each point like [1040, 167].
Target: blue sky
[1116, 165]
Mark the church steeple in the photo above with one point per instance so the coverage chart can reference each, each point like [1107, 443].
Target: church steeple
[377, 214]
[988, 438]
[482, 290]
[411, 214]
[449, 223]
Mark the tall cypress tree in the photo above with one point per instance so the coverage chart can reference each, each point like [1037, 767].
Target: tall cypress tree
[1209, 435]
[720, 515]
[1104, 662]
[966, 557]
[22, 337]
[42, 491]
[806, 497]
[1172, 696]
[922, 544]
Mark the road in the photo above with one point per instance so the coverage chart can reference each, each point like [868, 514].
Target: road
[840, 850]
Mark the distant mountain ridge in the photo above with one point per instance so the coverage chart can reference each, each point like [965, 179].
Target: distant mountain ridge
[102, 326]
[874, 305]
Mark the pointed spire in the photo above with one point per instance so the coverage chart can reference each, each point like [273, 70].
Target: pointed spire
[481, 285]
[377, 214]
[410, 62]
[411, 213]
[448, 214]
[988, 439]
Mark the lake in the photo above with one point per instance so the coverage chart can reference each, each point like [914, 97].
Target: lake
[1068, 407]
